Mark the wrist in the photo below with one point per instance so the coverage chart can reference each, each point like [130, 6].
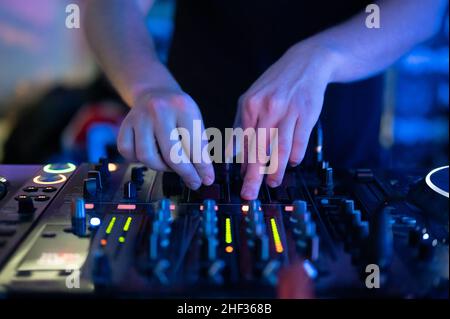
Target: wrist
[325, 55]
[158, 79]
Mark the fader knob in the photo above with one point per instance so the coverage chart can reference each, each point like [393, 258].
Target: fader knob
[137, 175]
[101, 268]
[300, 212]
[163, 212]
[381, 244]
[89, 188]
[98, 178]
[129, 190]
[26, 205]
[327, 181]
[79, 217]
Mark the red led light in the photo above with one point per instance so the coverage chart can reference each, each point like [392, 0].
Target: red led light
[245, 208]
[103, 242]
[172, 206]
[126, 206]
[89, 206]
[289, 208]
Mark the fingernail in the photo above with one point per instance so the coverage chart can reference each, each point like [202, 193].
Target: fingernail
[194, 185]
[272, 183]
[208, 180]
[247, 193]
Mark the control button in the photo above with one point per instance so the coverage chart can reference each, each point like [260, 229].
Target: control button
[129, 190]
[90, 188]
[26, 205]
[41, 198]
[6, 230]
[30, 189]
[3, 187]
[49, 189]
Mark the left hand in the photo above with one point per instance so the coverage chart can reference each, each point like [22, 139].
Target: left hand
[288, 96]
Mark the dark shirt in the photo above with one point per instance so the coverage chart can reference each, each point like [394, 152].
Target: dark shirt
[220, 47]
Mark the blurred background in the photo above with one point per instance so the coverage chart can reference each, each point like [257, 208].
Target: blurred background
[55, 105]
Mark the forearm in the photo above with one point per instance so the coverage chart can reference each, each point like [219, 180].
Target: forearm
[355, 51]
[118, 36]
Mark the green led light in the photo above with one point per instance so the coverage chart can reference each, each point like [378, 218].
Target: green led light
[121, 239]
[228, 238]
[70, 168]
[127, 224]
[276, 236]
[111, 225]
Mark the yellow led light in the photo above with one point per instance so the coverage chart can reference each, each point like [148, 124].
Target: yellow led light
[228, 238]
[121, 239]
[112, 167]
[111, 225]
[276, 236]
[127, 224]
[62, 179]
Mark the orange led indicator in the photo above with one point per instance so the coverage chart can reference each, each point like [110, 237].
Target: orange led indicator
[245, 208]
[229, 249]
[89, 206]
[289, 208]
[103, 242]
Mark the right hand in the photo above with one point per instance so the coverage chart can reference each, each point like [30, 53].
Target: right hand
[145, 134]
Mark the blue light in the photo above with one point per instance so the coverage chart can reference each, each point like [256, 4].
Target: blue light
[425, 236]
[95, 221]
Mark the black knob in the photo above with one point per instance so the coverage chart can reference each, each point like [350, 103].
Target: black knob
[129, 190]
[137, 175]
[103, 168]
[90, 188]
[414, 236]
[380, 249]
[426, 250]
[327, 181]
[26, 205]
[98, 178]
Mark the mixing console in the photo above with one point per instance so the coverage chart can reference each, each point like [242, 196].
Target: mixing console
[125, 230]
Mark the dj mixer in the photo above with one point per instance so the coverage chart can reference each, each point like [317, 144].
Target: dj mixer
[124, 230]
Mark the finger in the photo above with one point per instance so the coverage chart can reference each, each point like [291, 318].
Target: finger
[181, 165]
[281, 151]
[248, 108]
[146, 148]
[302, 132]
[256, 164]
[125, 141]
[204, 167]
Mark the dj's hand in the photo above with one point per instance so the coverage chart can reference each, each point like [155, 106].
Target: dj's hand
[288, 96]
[145, 134]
